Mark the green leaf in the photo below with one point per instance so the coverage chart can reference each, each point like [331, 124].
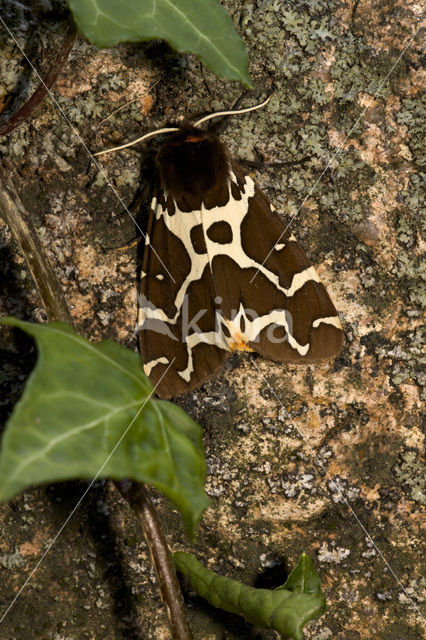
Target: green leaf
[286, 609]
[202, 27]
[303, 578]
[78, 402]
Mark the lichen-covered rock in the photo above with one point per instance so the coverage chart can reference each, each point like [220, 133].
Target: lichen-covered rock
[326, 459]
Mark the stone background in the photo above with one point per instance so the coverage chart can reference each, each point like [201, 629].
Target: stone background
[340, 480]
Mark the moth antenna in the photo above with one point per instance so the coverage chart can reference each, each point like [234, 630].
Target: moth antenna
[130, 144]
[230, 113]
[171, 129]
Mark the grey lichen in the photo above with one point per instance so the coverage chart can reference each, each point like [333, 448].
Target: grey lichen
[353, 442]
[409, 472]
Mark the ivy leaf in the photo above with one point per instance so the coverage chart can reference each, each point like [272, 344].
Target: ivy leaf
[303, 578]
[202, 27]
[78, 402]
[286, 609]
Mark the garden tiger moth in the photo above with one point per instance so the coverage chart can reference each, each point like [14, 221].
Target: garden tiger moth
[221, 273]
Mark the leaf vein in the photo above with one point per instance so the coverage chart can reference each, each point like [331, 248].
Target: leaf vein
[90, 347]
[201, 36]
[66, 436]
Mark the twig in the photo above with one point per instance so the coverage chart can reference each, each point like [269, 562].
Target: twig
[138, 498]
[21, 226]
[43, 88]
[353, 13]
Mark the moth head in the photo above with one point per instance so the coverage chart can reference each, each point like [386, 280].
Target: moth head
[193, 164]
[192, 161]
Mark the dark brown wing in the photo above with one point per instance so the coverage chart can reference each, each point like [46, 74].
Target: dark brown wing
[178, 344]
[270, 291]
[220, 274]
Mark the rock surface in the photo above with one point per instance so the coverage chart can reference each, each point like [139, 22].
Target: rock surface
[325, 459]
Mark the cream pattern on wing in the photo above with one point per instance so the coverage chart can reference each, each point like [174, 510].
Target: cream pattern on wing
[233, 213]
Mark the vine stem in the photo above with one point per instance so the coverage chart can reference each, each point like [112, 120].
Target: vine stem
[22, 229]
[43, 88]
[137, 496]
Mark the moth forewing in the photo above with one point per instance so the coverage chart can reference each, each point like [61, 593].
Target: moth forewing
[221, 273]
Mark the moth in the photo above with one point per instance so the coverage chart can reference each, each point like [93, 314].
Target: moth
[220, 271]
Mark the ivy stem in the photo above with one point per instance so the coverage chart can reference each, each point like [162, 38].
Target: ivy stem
[137, 496]
[22, 229]
[43, 88]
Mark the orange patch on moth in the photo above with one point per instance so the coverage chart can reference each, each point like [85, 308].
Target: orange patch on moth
[239, 343]
[194, 138]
